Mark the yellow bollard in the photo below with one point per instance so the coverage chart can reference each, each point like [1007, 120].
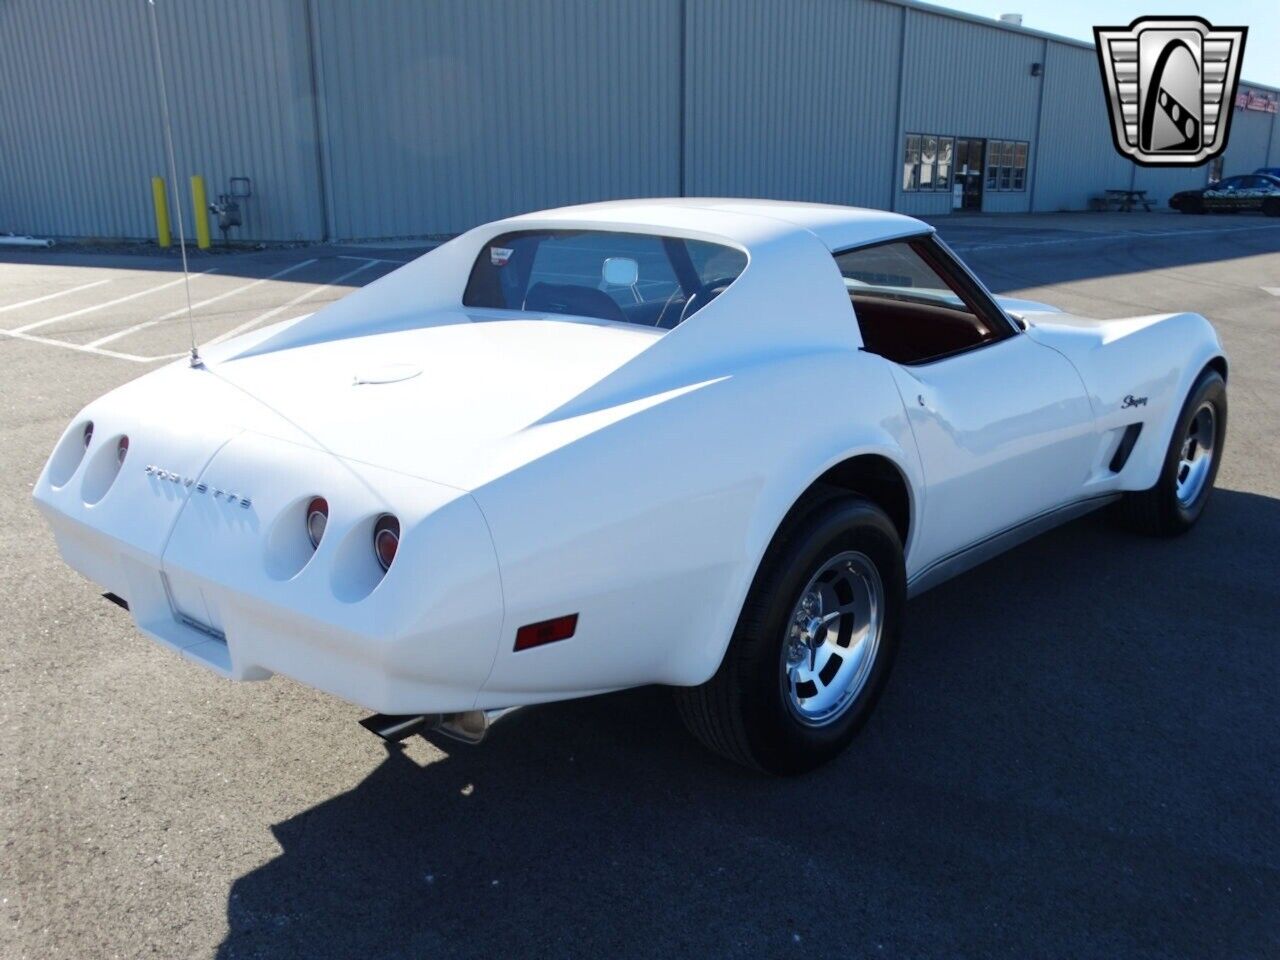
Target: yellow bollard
[202, 211]
[162, 211]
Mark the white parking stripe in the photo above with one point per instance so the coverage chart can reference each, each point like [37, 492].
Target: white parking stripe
[1274, 291]
[970, 245]
[50, 296]
[315, 291]
[80, 348]
[196, 306]
[109, 303]
[344, 256]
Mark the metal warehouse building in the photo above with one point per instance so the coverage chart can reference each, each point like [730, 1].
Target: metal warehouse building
[407, 118]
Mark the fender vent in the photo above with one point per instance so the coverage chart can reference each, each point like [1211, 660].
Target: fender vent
[1126, 447]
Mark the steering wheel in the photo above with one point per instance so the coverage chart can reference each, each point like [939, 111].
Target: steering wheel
[697, 300]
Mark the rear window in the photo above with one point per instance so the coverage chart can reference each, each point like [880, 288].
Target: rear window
[638, 278]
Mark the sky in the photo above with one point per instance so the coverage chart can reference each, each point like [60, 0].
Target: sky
[1077, 18]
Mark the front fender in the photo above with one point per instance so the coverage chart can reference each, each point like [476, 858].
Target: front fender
[1150, 361]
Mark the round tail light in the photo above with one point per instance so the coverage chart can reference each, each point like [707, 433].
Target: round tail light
[88, 434]
[122, 449]
[386, 540]
[317, 519]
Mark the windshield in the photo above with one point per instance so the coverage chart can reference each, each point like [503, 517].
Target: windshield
[637, 278]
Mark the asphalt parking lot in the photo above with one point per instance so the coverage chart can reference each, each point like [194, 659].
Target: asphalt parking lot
[1076, 757]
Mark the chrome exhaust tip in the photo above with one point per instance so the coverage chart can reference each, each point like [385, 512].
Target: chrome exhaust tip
[394, 727]
[470, 726]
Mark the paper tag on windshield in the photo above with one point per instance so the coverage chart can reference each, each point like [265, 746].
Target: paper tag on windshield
[499, 256]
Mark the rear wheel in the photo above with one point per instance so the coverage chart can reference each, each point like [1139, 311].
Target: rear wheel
[814, 642]
[1190, 466]
[1271, 206]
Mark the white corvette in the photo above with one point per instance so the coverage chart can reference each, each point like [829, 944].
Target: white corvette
[713, 444]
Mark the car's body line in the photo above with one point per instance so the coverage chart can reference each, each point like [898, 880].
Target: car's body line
[988, 547]
[502, 590]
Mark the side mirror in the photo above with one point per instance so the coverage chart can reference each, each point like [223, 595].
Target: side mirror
[621, 272]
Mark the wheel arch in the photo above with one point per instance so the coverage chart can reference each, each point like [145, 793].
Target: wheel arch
[881, 474]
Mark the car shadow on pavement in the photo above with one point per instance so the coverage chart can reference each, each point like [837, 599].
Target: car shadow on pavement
[1075, 757]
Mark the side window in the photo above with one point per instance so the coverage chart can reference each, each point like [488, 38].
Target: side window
[913, 305]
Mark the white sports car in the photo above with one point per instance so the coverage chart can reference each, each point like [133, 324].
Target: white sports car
[713, 444]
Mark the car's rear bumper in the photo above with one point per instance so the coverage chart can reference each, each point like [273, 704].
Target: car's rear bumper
[229, 587]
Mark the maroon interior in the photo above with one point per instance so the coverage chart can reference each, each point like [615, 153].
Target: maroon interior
[908, 332]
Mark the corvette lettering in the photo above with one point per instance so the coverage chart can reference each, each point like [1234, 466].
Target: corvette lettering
[192, 484]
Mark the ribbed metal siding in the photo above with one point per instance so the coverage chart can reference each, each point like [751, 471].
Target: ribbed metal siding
[792, 100]
[82, 134]
[1247, 148]
[1075, 157]
[969, 80]
[443, 115]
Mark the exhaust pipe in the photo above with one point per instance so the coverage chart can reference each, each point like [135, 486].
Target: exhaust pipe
[470, 726]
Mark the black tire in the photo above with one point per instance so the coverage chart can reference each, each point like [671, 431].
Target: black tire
[742, 712]
[1157, 511]
[1271, 206]
[1193, 205]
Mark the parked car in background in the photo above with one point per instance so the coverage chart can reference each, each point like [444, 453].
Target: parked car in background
[1269, 171]
[1253, 191]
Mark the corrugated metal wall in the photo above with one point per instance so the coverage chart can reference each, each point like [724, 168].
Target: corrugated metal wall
[81, 134]
[440, 116]
[792, 100]
[428, 118]
[967, 80]
[1074, 156]
[1250, 138]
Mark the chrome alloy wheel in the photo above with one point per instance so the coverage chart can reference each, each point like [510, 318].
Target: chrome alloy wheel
[1196, 457]
[832, 638]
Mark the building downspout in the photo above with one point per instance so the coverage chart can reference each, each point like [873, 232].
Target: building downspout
[1033, 158]
[683, 110]
[319, 122]
[898, 144]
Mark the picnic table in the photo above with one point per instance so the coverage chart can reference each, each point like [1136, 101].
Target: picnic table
[1123, 200]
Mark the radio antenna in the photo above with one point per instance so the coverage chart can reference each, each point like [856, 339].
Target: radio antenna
[173, 181]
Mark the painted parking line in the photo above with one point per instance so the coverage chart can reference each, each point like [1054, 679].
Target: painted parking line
[1274, 291]
[313, 292]
[108, 303]
[196, 306]
[347, 256]
[970, 245]
[56, 293]
[80, 348]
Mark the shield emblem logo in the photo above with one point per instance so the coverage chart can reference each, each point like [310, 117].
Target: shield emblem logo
[1170, 84]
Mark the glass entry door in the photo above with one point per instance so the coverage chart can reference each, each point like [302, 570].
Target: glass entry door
[969, 154]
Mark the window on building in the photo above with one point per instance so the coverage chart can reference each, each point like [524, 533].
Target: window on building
[926, 163]
[911, 163]
[946, 147]
[1007, 164]
[928, 160]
